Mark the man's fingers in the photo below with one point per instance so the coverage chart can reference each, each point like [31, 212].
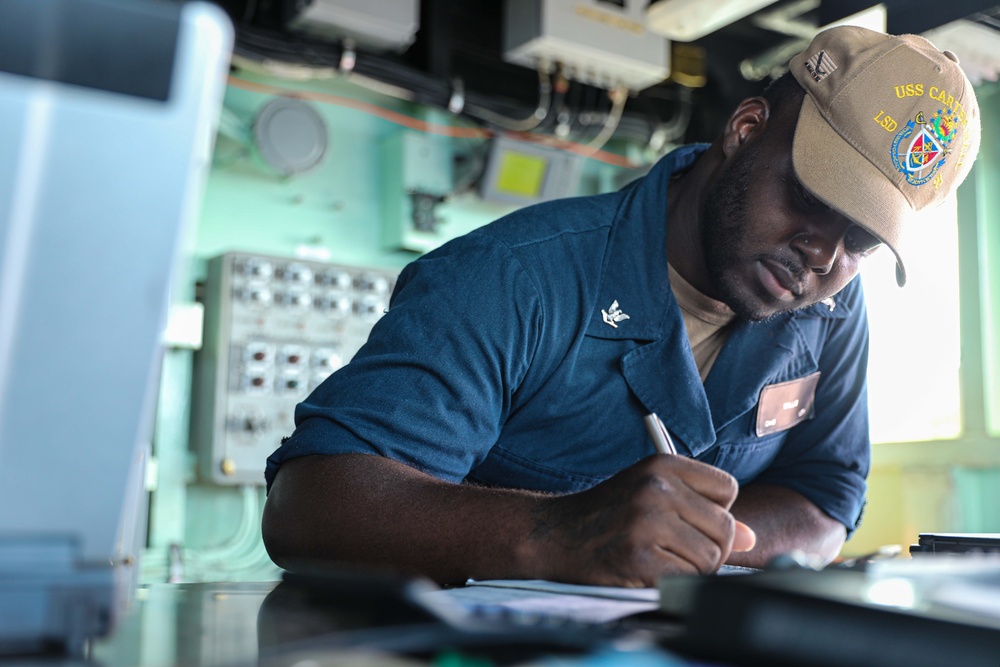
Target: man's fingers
[745, 538]
[706, 480]
[706, 549]
[691, 543]
[711, 520]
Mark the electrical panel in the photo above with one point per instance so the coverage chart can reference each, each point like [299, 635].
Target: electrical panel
[520, 172]
[275, 328]
[598, 42]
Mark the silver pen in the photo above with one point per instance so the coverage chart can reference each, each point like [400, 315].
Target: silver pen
[659, 434]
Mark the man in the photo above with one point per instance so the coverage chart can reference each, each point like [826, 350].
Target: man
[493, 426]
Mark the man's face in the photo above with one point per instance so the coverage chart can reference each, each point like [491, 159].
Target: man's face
[769, 245]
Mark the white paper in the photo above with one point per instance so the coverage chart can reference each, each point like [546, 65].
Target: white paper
[525, 599]
[609, 592]
[537, 600]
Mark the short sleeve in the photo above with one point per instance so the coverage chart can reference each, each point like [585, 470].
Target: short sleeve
[432, 386]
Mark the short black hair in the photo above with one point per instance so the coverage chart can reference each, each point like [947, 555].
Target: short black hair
[783, 91]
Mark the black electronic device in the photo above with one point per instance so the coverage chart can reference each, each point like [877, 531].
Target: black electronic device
[956, 543]
[842, 617]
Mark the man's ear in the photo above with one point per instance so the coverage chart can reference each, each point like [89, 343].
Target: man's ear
[747, 121]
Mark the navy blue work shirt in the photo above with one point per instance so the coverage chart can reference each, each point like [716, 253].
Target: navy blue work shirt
[497, 363]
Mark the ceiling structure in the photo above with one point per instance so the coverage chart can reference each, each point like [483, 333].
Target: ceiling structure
[458, 54]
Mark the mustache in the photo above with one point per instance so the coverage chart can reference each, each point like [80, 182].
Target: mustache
[797, 269]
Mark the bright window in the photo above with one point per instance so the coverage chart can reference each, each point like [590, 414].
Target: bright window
[913, 376]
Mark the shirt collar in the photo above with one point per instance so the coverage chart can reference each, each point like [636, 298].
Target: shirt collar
[635, 267]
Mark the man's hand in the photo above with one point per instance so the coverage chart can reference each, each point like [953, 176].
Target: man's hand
[665, 514]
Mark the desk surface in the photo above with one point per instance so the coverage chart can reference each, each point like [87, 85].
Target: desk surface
[267, 624]
[188, 624]
[216, 624]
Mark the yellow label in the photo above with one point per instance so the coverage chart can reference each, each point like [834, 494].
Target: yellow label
[521, 174]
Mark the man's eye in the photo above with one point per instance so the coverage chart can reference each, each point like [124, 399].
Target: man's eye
[860, 241]
[807, 201]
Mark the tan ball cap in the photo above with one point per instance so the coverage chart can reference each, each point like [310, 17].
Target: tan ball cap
[889, 126]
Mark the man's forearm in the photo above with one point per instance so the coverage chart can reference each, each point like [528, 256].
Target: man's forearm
[663, 514]
[784, 521]
[370, 510]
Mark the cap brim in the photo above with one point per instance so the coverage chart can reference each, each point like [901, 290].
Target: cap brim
[844, 179]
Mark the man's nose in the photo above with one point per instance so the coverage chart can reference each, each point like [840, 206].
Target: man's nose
[818, 251]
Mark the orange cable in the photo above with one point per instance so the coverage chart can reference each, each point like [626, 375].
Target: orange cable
[424, 126]
[373, 109]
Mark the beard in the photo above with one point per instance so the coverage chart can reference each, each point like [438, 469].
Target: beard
[724, 235]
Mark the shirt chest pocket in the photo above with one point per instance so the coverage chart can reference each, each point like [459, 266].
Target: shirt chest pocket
[749, 444]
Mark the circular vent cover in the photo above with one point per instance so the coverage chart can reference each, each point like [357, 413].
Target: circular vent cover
[290, 135]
